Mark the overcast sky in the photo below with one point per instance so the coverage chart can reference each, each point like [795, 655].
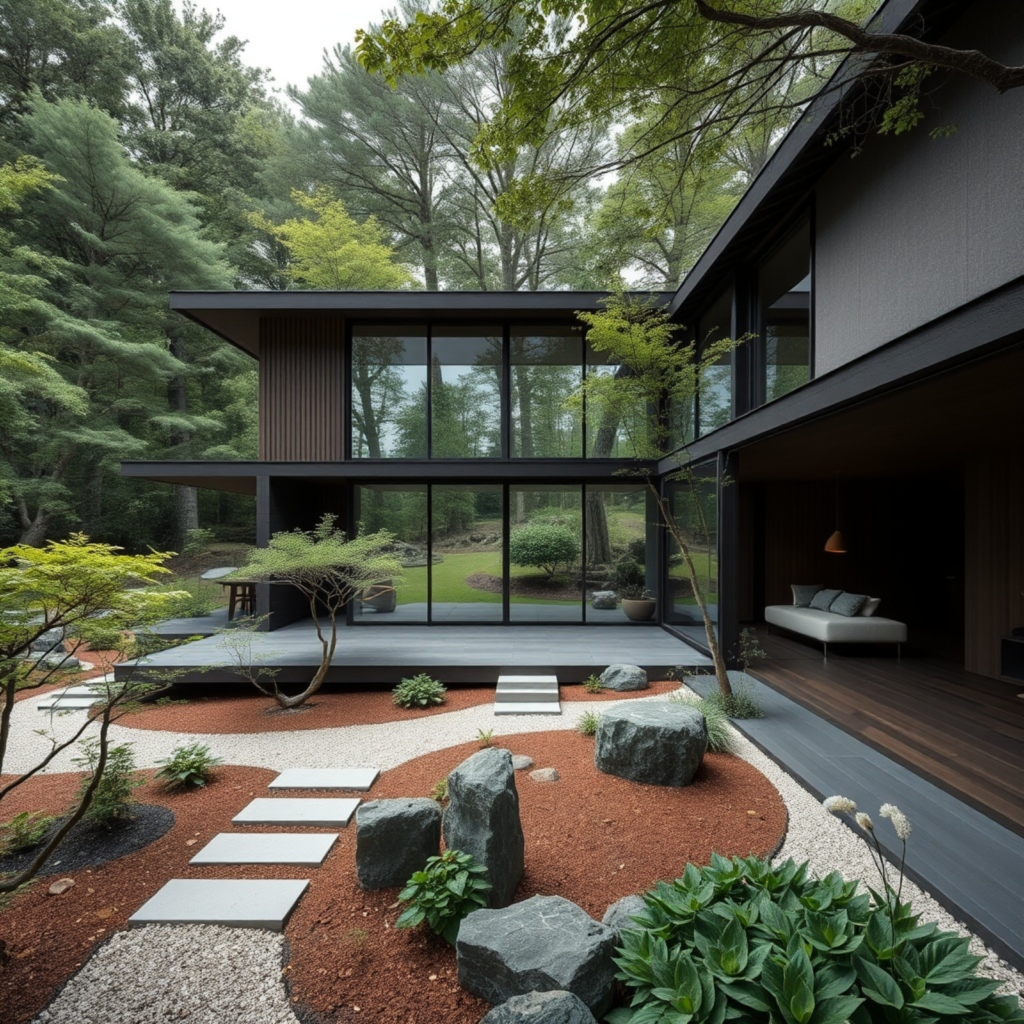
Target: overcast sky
[289, 36]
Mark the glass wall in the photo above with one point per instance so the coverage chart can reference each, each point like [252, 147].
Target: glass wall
[465, 393]
[545, 547]
[695, 511]
[611, 436]
[403, 511]
[784, 317]
[388, 392]
[467, 577]
[714, 400]
[546, 366]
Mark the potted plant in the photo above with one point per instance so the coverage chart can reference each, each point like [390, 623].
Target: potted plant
[637, 602]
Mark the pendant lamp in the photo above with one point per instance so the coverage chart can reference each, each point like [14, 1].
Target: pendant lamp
[835, 545]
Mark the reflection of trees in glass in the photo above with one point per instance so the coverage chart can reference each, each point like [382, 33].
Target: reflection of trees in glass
[383, 367]
[546, 371]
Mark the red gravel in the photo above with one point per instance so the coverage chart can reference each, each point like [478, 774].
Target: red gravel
[590, 837]
[232, 712]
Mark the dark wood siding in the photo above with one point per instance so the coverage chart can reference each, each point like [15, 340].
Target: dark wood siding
[301, 389]
[995, 557]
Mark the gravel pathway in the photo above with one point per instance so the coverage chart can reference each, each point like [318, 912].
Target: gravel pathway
[223, 976]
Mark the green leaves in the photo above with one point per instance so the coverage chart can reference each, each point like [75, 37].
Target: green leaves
[745, 940]
[189, 766]
[443, 893]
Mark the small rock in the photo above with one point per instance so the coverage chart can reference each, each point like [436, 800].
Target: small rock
[61, 885]
[545, 775]
[619, 916]
[558, 1007]
[521, 762]
[624, 677]
[604, 599]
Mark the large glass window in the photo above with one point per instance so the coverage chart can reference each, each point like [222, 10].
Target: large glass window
[465, 393]
[694, 506]
[545, 554]
[546, 370]
[403, 511]
[467, 575]
[609, 434]
[784, 317]
[714, 401]
[388, 392]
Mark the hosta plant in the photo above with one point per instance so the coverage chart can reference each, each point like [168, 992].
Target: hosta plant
[421, 691]
[188, 767]
[741, 940]
[447, 889]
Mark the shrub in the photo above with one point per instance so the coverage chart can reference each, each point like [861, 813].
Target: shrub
[23, 831]
[419, 692]
[637, 550]
[746, 941]
[101, 637]
[188, 767]
[720, 739]
[593, 684]
[750, 648]
[113, 796]
[588, 723]
[194, 598]
[543, 547]
[443, 893]
[629, 579]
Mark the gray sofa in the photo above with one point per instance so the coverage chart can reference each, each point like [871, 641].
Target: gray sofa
[830, 627]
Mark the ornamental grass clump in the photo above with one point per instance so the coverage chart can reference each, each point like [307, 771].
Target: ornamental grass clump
[720, 735]
[447, 889]
[588, 723]
[746, 940]
[421, 691]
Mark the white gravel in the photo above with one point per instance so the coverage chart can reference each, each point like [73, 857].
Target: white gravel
[233, 976]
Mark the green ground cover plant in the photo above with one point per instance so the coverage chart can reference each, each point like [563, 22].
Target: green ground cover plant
[23, 831]
[447, 889]
[743, 940]
[420, 691]
[189, 767]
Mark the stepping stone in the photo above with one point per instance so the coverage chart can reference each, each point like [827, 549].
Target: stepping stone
[359, 779]
[330, 812]
[528, 708]
[68, 703]
[248, 903]
[265, 848]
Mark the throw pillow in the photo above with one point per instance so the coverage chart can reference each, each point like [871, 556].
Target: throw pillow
[870, 607]
[823, 598]
[848, 604]
[803, 592]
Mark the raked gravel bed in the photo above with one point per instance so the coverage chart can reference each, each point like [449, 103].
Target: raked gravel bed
[224, 976]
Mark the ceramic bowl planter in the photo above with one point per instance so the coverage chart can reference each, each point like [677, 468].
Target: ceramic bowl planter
[639, 609]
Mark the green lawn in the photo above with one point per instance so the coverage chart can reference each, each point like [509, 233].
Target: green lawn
[450, 584]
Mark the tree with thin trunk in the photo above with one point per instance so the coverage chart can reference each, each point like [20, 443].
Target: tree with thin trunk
[656, 370]
[329, 570]
[69, 589]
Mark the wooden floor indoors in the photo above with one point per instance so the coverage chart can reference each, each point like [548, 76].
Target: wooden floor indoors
[963, 732]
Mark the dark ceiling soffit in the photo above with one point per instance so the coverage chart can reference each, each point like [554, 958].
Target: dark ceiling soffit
[990, 322]
[783, 166]
[216, 474]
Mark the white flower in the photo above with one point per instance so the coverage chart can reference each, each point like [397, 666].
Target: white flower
[864, 820]
[898, 819]
[839, 805]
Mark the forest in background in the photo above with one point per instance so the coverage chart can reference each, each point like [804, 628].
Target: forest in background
[140, 154]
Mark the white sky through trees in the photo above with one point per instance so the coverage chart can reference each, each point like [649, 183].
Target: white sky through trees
[289, 36]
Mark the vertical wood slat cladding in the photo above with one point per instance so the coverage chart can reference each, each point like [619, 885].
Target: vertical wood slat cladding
[995, 557]
[301, 389]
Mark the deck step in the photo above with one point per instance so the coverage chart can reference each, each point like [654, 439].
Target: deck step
[527, 695]
[302, 848]
[235, 903]
[358, 779]
[61, 703]
[328, 812]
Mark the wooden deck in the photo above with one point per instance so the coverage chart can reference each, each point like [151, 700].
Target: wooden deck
[963, 732]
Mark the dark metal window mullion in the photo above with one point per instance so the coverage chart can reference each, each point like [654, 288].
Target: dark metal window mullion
[505, 443]
[506, 521]
[430, 554]
[584, 497]
[430, 400]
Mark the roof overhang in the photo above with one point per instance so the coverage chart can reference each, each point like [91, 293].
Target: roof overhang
[235, 316]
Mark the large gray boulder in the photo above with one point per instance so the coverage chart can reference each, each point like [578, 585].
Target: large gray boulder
[541, 1008]
[482, 818]
[619, 916]
[51, 640]
[543, 944]
[624, 678]
[656, 742]
[394, 838]
[605, 600]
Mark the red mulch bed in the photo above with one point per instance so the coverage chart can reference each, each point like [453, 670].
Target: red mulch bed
[249, 712]
[590, 837]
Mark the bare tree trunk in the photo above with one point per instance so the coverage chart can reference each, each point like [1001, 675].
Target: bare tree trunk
[599, 548]
[186, 515]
